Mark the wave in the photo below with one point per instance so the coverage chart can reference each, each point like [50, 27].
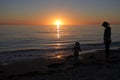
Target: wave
[13, 56]
[20, 54]
[64, 47]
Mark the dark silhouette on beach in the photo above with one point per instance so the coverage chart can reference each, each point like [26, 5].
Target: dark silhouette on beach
[107, 38]
[76, 50]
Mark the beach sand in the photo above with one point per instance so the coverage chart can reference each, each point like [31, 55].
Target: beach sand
[92, 65]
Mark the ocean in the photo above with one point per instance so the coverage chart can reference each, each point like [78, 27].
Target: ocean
[39, 40]
[14, 37]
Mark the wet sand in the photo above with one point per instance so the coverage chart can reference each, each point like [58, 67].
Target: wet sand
[92, 65]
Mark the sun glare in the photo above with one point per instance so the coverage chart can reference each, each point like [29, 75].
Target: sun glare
[58, 22]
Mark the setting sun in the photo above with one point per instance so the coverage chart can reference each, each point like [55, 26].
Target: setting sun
[58, 22]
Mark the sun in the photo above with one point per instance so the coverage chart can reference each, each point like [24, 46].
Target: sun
[58, 22]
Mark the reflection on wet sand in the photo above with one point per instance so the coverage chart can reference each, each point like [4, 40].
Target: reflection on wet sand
[58, 56]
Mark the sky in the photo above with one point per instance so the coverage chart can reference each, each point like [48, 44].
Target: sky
[69, 12]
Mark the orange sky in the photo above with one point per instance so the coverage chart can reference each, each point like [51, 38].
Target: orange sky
[70, 12]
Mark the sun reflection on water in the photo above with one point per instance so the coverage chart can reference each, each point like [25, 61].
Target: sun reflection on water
[58, 36]
[58, 31]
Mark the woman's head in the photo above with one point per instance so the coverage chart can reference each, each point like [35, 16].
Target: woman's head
[105, 23]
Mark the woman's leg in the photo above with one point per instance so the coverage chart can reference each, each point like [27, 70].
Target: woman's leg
[107, 50]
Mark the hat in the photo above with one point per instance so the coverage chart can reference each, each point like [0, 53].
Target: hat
[105, 23]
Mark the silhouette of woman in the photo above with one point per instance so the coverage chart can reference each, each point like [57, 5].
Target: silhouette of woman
[107, 38]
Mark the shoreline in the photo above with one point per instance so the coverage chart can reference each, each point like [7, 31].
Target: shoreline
[18, 55]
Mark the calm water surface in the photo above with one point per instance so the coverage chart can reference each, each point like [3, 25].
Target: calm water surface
[46, 37]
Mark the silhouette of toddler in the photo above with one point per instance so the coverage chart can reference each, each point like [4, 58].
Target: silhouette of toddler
[76, 50]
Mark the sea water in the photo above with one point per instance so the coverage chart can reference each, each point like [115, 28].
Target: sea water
[19, 37]
[27, 42]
